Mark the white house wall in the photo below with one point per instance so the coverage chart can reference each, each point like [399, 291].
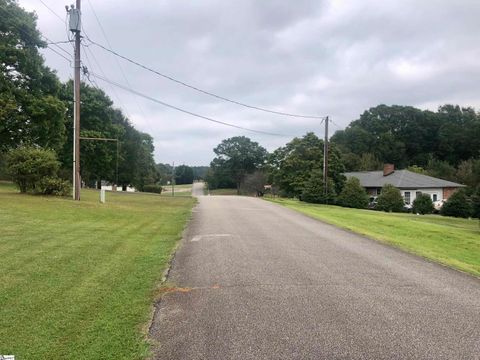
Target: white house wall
[431, 192]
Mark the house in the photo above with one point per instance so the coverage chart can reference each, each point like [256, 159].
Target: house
[409, 183]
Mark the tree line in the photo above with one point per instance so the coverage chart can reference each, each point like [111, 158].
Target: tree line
[36, 110]
[443, 144]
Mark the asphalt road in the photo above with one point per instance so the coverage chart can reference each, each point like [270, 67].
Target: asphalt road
[258, 281]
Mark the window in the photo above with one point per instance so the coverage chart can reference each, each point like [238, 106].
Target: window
[418, 193]
[434, 197]
[406, 197]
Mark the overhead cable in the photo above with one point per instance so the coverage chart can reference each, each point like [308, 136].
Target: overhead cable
[201, 90]
[183, 110]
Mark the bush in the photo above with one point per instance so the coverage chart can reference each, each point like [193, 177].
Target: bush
[390, 199]
[153, 188]
[422, 204]
[28, 165]
[476, 203]
[353, 195]
[457, 205]
[53, 186]
[314, 190]
[3, 167]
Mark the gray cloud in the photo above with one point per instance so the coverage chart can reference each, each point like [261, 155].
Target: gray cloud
[313, 57]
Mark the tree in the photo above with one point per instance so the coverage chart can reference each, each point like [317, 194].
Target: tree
[468, 173]
[476, 203]
[404, 135]
[353, 195]
[136, 166]
[254, 183]
[236, 157]
[183, 175]
[390, 199]
[164, 173]
[28, 165]
[457, 205]
[30, 111]
[422, 204]
[314, 189]
[291, 166]
[441, 169]
[200, 172]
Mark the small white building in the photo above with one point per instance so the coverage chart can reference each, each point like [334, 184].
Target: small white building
[409, 183]
[117, 188]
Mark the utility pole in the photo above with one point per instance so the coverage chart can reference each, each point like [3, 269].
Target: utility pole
[75, 27]
[173, 179]
[325, 160]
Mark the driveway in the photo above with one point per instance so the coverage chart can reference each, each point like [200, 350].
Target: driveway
[258, 281]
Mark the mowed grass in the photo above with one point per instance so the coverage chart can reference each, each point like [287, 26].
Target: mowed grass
[180, 190]
[449, 241]
[78, 279]
[223, 192]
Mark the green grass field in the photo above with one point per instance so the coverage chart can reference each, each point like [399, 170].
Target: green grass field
[449, 241]
[78, 279]
[223, 192]
[180, 190]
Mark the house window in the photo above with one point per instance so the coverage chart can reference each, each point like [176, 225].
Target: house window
[418, 193]
[434, 197]
[406, 197]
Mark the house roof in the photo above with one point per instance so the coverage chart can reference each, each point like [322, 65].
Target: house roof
[402, 179]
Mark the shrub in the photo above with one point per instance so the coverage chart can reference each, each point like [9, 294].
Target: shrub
[314, 190]
[353, 195]
[53, 186]
[27, 165]
[153, 188]
[423, 204]
[390, 199]
[457, 205]
[476, 203]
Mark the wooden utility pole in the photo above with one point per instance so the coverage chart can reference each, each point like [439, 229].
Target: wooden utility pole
[75, 26]
[325, 159]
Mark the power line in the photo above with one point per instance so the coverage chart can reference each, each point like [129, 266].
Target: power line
[183, 110]
[201, 90]
[110, 46]
[58, 42]
[50, 42]
[120, 104]
[336, 125]
[53, 12]
[46, 39]
[59, 54]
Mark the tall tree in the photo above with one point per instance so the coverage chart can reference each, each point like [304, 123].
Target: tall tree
[30, 112]
[236, 157]
[291, 166]
[183, 175]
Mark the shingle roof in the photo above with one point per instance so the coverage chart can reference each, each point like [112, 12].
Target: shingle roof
[403, 179]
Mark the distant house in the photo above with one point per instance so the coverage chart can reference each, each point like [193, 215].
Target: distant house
[409, 183]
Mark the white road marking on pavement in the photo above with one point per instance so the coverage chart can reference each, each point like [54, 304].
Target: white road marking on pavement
[200, 237]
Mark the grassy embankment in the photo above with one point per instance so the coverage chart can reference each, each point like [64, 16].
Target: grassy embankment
[449, 241]
[78, 279]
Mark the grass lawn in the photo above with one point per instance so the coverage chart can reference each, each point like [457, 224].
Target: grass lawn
[78, 279]
[449, 241]
[180, 190]
[223, 192]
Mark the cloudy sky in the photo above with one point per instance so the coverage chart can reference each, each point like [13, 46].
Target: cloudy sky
[334, 57]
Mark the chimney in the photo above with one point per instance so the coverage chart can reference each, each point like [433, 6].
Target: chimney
[388, 169]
